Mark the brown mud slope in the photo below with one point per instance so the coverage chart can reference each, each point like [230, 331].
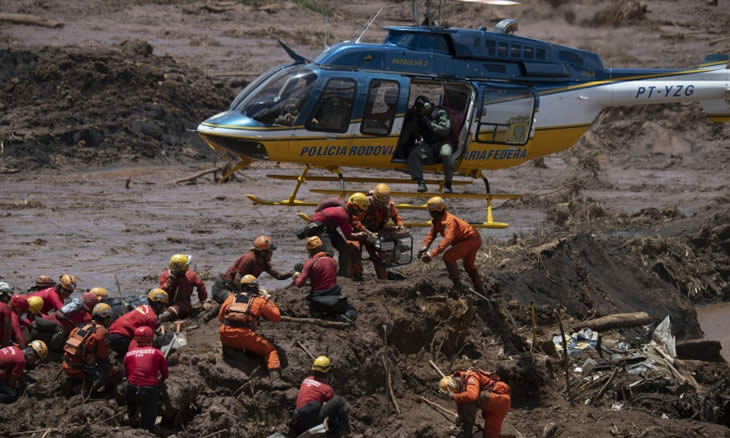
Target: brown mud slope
[94, 107]
[587, 275]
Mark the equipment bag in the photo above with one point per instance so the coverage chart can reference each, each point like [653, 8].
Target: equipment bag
[76, 343]
[238, 312]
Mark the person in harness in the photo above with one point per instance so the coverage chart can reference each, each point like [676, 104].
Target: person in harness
[240, 315]
[317, 402]
[474, 389]
[179, 281]
[54, 328]
[86, 353]
[321, 271]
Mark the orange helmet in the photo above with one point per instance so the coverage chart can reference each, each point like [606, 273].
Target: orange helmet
[68, 282]
[44, 281]
[263, 243]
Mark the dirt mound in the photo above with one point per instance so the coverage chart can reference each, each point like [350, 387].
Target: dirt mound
[92, 107]
[619, 13]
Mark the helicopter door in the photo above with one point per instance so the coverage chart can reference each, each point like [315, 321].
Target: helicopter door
[507, 114]
[333, 111]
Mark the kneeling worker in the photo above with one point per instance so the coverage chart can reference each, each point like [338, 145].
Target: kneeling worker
[146, 368]
[86, 353]
[317, 402]
[179, 281]
[122, 330]
[474, 389]
[240, 315]
[464, 240]
[13, 362]
[321, 271]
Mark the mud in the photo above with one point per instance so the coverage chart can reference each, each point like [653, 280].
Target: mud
[632, 218]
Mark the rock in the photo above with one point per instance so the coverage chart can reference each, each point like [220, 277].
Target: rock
[700, 349]
[136, 47]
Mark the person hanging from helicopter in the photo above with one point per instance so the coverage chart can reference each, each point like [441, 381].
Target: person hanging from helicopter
[433, 126]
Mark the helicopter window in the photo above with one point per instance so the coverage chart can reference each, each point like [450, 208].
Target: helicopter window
[491, 47]
[502, 50]
[516, 50]
[476, 41]
[571, 58]
[527, 52]
[381, 107]
[334, 108]
[280, 98]
[540, 53]
[507, 116]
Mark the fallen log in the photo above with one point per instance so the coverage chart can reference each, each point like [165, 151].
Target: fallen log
[198, 175]
[438, 406]
[618, 320]
[322, 322]
[309, 353]
[32, 20]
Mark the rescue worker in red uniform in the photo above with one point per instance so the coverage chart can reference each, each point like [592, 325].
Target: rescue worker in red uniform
[86, 353]
[254, 262]
[10, 328]
[474, 389]
[240, 315]
[42, 282]
[13, 362]
[19, 305]
[122, 330]
[53, 329]
[179, 281]
[146, 370]
[317, 401]
[54, 296]
[321, 271]
[380, 210]
[464, 240]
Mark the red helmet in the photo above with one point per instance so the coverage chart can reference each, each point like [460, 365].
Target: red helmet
[90, 300]
[143, 335]
[19, 302]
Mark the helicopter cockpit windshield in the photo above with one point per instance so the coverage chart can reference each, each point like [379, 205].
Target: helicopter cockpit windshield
[279, 99]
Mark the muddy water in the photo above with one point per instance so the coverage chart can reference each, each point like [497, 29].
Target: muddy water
[713, 319]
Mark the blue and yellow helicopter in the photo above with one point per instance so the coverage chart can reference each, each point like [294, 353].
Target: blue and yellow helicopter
[510, 99]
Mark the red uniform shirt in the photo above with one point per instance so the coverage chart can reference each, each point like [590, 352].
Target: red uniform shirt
[180, 288]
[17, 329]
[146, 366]
[130, 321]
[334, 217]
[6, 325]
[311, 390]
[321, 270]
[12, 363]
[247, 264]
[51, 299]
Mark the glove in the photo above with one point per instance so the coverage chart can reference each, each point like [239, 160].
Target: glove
[264, 293]
[295, 275]
[298, 268]
[427, 258]
[207, 305]
[372, 238]
[421, 252]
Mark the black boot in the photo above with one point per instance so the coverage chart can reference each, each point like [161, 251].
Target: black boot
[421, 186]
[447, 187]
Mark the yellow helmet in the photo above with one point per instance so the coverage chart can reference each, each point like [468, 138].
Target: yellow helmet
[40, 348]
[322, 364]
[102, 310]
[68, 282]
[249, 283]
[448, 384]
[436, 204]
[382, 193]
[179, 263]
[158, 296]
[359, 200]
[314, 242]
[35, 304]
[99, 292]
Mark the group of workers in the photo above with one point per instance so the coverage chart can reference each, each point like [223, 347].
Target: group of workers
[88, 327]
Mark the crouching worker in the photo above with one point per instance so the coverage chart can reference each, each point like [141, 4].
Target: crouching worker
[240, 315]
[317, 402]
[321, 271]
[122, 330]
[146, 369]
[13, 363]
[179, 281]
[474, 389]
[86, 353]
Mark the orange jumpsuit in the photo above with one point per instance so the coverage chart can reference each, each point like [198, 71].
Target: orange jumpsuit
[242, 336]
[484, 392]
[93, 353]
[374, 220]
[465, 241]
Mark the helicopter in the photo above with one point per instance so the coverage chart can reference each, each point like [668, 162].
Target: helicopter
[510, 98]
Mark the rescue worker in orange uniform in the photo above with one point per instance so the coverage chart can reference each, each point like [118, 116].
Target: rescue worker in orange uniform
[240, 315]
[380, 210]
[13, 362]
[255, 262]
[53, 297]
[464, 240]
[357, 206]
[474, 389]
[122, 330]
[179, 281]
[86, 353]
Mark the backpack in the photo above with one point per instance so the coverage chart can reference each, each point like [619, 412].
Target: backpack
[76, 343]
[238, 311]
[332, 201]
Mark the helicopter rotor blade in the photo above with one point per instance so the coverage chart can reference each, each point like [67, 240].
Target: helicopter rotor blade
[493, 2]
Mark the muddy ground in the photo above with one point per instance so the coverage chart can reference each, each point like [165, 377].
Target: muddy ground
[93, 120]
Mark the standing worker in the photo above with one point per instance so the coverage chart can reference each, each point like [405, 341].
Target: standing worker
[54, 296]
[317, 402]
[256, 261]
[86, 353]
[122, 330]
[13, 362]
[474, 389]
[179, 281]
[146, 369]
[240, 315]
[464, 240]
[321, 271]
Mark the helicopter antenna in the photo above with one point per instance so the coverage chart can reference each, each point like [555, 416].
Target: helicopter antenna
[372, 20]
[326, 28]
[428, 16]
